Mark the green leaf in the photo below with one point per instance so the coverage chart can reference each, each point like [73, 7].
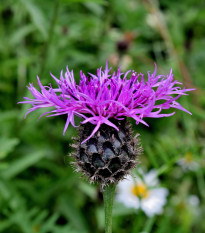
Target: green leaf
[161, 152]
[22, 164]
[148, 225]
[64, 229]
[7, 145]
[49, 224]
[4, 225]
[83, 1]
[37, 17]
[8, 115]
[152, 157]
[120, 210]
[95, 8]
[88, 190]
[20, 33]
[68, 208]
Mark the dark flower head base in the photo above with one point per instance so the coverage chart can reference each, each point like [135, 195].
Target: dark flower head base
[109, 155]
[104, 101]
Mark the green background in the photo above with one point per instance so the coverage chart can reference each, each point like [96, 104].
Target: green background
[39, 191]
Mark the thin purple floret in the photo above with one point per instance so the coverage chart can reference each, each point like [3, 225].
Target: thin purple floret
[101, 97]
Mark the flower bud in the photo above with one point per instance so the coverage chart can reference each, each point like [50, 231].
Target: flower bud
[109, 154]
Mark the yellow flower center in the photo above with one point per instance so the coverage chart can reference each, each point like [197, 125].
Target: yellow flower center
[188, 157]
[140, 190]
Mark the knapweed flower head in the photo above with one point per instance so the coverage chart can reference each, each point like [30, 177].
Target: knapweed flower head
[104, 96]
[106, 148]
[142, 192]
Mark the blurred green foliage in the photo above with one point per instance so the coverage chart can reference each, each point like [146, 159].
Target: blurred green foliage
[38, 191]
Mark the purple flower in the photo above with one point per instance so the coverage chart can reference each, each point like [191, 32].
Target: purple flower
[99, 98]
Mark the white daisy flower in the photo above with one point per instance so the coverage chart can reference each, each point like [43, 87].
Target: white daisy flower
[189, 204]
[193, 200]
[143, 193]
[188, 163]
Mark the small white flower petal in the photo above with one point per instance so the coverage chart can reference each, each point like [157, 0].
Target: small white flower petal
[129, 201]
[154, 202]
[193, 200]
[151, 178]
[126, 184]
[159, 192]
[151, 204]
[125, 195]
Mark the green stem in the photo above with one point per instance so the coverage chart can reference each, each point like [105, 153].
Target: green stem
[108, 196]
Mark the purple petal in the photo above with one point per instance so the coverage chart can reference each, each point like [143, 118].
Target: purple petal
[103, 96]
